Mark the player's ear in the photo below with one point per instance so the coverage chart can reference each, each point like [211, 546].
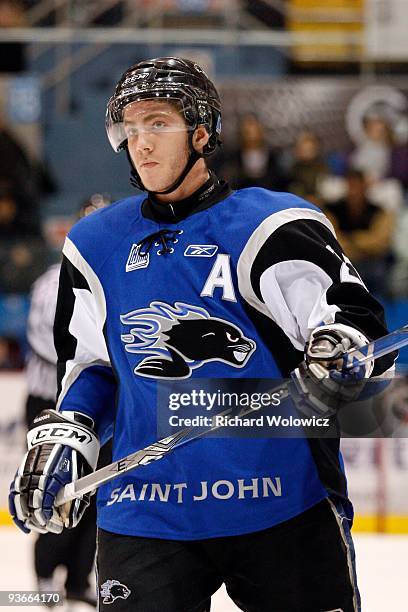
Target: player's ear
[200, 138]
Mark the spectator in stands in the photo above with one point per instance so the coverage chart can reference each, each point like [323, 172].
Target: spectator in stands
[20, 264]
[398, 278]
[23, 182]
[29, 178]
[253, 164]
[12, 222]
[23, 254]
[308, 167]
[364, 230]
[12, 54]
[378, 155]
[10, 354]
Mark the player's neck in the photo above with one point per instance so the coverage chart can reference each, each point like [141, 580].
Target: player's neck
[197, 176]
[211, 192]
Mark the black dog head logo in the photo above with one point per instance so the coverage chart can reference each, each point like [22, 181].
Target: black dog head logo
[182, 338]
[112, 590]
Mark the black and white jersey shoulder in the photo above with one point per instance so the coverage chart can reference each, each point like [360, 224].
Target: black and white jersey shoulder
[86, 379]
[294, 276]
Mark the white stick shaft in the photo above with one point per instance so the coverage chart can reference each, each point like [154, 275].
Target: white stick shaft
[373, 350]
[377, 348]
[147, 455]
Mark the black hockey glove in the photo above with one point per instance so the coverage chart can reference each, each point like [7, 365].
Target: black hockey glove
[62, 447]
[322, 386]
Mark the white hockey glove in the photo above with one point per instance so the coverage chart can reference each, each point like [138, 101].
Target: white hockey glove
[322, 385]
[62, 447]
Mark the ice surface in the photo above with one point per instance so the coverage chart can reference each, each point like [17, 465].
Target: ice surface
[381, 565]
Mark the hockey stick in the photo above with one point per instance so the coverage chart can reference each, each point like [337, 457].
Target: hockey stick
[147, 455]
[158, 450]
[377, 348]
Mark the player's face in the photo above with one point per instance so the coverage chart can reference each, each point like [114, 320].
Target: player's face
[157, 138]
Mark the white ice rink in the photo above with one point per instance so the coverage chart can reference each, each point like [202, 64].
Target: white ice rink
[382, 569]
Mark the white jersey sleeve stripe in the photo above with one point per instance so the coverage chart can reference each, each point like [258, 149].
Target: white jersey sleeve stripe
[254, 245]
[295, 291]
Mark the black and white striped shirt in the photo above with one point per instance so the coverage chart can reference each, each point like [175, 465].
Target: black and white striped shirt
[41, 364]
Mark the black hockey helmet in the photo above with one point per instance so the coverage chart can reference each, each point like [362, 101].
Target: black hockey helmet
[173, 79]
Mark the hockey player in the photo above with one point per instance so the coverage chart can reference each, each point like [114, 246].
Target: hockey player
[191, 279]
[74, 549]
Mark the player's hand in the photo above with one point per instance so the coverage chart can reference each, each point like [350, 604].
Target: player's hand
[322, 385]
[62, 447]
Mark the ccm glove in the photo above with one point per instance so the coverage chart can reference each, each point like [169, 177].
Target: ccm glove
[62, 447]
[322, 385]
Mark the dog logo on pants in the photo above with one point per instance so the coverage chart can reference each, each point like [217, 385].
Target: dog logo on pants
[111, 590]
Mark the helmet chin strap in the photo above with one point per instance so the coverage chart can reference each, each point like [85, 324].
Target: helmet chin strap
[193, 158]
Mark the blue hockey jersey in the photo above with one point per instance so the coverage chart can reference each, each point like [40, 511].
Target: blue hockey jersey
[230, 289]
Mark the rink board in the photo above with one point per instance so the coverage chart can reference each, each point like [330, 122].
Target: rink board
[376, 469]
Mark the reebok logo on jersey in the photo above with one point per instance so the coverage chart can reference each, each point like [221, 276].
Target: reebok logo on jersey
[136, 260]
[200, 250]
[112, 590]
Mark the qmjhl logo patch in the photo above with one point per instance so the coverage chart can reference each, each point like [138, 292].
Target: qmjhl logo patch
[136, 260]
[111, 590]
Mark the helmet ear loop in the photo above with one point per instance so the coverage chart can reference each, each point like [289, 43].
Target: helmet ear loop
[214, 141]
[212, 144]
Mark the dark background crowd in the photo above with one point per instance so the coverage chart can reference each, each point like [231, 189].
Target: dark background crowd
[350, 186]
[362, 187]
